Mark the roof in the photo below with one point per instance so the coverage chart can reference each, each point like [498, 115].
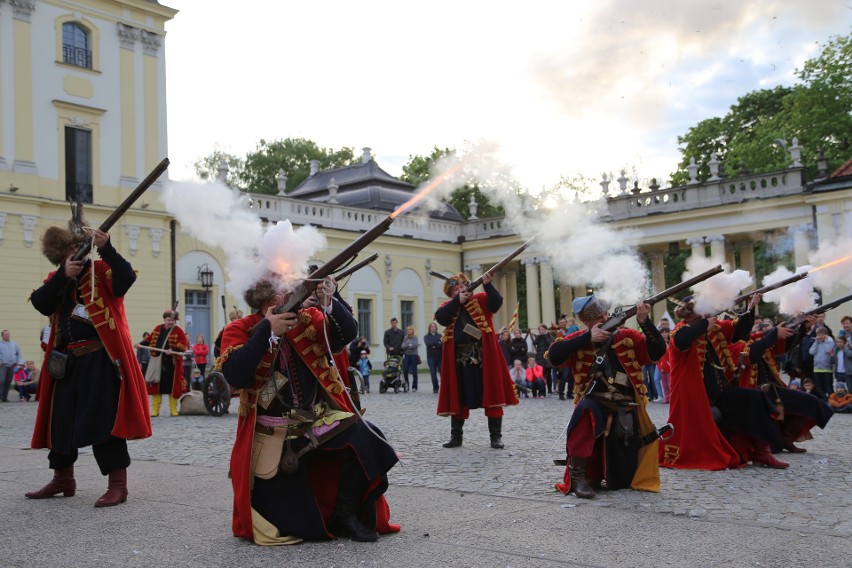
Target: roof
[356, 175]
[365, 185]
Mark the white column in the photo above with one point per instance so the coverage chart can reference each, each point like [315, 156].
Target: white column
[717, 247]
[548, 302]
[697, 246]
[801, 243]
[747, 260]
[566, 297]
[658, 279]
[533, 291]
[510, 298]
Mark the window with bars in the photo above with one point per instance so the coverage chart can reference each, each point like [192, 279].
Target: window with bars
[75, 45]
[78, 165]
[406, 313]
[365, 318]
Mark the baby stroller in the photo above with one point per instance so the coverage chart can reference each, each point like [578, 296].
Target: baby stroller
[392, 376]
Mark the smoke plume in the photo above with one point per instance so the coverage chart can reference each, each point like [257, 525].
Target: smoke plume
[717, 293]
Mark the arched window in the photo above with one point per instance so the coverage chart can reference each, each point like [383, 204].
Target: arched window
[75, 45]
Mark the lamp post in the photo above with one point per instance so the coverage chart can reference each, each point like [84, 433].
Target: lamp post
[205, 276]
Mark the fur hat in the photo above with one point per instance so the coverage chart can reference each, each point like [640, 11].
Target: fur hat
[170, 314]
[262, 292]
[56, 240]
[452, 281]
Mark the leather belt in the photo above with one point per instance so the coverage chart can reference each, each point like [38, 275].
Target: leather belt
[85, 348]
[294, 431]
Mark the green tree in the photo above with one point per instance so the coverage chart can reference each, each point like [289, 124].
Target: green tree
[757, 131]
[208, 167]
[293, 155]
[417, 171]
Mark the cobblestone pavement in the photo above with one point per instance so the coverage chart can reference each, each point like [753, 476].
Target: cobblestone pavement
[811, 496]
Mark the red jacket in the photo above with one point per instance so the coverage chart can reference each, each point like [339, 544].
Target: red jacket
[498, 390]
[696, 442]
[177, 342]
[200, 351]
[132, 420]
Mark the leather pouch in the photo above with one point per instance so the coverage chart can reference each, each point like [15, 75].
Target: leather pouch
[56, 364]
[267, 452]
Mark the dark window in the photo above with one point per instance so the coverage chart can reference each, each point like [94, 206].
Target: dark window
[406, 314]
[195, 298]
[78, 165]
[75, 45]
[365, 316]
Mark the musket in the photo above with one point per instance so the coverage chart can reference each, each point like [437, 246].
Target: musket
[617, 320]
[476, 283]
[770, 287]
[796, 320]
[86, 246]
[307, 286]
[356, 267]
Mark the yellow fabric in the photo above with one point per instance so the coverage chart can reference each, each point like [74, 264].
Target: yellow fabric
[173, 405]
[266, 534]
[156, 401]
[647, 476]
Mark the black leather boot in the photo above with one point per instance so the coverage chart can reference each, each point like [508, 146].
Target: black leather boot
[456, 426]
[495, 426]
[579, 485]
[345, 522]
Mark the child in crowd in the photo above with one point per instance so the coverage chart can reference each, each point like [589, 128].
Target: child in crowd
[535, 379]
[840, 400]
[519, 377]
[365, 368]
[823, 351]
[795, 384]
[663, 372]
[810, 387]
[19, 377]
[843, 359]
[197, 381]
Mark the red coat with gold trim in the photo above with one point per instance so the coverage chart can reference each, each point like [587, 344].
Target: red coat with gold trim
[303, 338]
[177, 342]
[133, 420]
[498, 390]
[630, 347]
[696, 442]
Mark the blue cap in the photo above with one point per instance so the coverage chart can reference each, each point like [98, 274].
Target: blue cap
[579, 303]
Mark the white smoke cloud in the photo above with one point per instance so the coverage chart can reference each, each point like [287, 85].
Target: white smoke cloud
[717, 293]
[834, 278]
[792, 298]
[581, 248]
[221, 217]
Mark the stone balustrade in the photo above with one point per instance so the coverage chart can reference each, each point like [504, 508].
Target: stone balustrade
[708, 194]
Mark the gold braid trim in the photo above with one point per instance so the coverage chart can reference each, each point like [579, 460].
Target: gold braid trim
[720, 346]
[752, 369]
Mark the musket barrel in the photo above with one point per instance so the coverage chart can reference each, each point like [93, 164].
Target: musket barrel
[122, 208]
[618, 320]
[476, 283]
[796, 320]
[770, 287]
[356, 267]
[307, 286]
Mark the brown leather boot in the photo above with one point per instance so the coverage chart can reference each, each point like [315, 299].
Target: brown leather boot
[62, 482]
[116, 489]
[763, 457]
[579, 485]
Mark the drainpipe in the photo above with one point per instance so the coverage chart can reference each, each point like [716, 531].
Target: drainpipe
[173, 251]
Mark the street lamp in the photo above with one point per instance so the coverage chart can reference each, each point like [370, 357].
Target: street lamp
[205, 276]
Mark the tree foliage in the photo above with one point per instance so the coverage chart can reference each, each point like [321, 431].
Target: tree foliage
[208, 167]
[418, 171]
[756, 133]
[293, 155]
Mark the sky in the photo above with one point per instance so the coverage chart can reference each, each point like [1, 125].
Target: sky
[562, 88]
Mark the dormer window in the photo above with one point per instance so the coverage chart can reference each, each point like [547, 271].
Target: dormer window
[76, 48]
